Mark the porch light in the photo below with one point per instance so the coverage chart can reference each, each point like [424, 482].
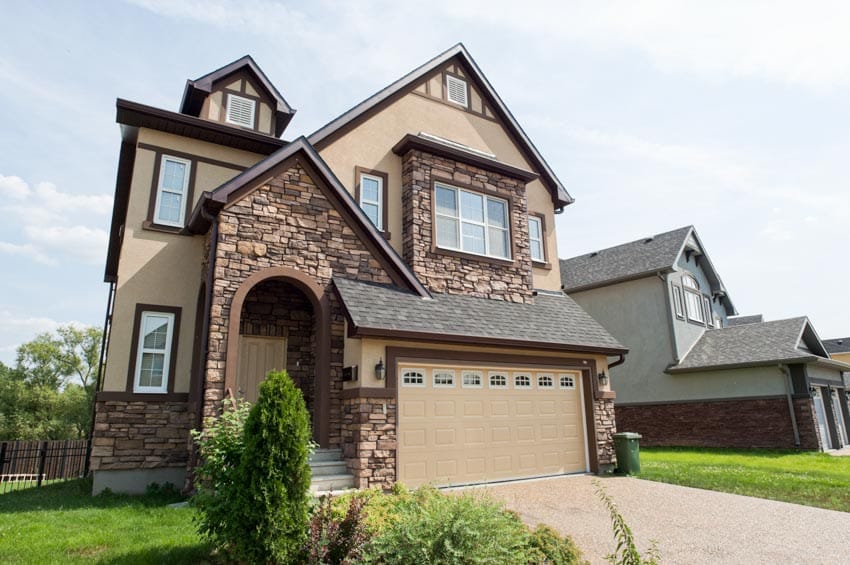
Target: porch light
[603, 379]
[813, 389]
[380, 370]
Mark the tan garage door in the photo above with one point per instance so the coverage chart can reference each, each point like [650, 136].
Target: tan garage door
[461, 424]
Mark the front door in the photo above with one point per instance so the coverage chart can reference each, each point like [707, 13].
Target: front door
[839, 415]
[257, 356]
[820, 413]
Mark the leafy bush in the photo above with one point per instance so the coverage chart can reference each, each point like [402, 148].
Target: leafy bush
[554, 549]
[335, 539]
[220, 447]
[627, 552]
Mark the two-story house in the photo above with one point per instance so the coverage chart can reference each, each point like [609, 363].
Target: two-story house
[696, 375]
[400, 263]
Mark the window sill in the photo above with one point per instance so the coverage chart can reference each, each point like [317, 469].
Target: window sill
[129, 396]
[472, 256]
[541, 265]
[150, 226]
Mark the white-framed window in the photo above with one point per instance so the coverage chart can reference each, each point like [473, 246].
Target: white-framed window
[535, 238]
[444, 378]
[677, 302]
[471, 379]
[693, 304]
[498, 380]
[372, 198]
[471, 222]
[522, 380]
[706, 301]
[690, 282]
[545, 380]
[718, 322]
[153, 355]
[172, 191]
[413, 377]
[240, 111]
[567, 382]
[456, 91]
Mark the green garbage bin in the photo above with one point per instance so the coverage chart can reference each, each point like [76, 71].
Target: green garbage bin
[627, 448]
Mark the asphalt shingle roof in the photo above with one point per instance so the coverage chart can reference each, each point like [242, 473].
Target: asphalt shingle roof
[747, 345]
[551, 319]
[625, 261]
[741, 320]
[837, 344]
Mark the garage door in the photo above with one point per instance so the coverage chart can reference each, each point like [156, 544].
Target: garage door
[461, 424]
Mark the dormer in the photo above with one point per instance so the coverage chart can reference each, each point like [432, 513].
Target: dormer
[238, 95]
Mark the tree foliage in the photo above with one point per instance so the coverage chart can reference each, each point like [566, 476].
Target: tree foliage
[49, 392]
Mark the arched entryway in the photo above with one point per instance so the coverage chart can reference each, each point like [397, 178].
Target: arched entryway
[278, 320]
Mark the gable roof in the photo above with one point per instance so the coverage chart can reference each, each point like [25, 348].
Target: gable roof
[756, 344]
[211, 203]
[837, 345]
[400, 87]
[637, 259]
[197, 90]
[551, 322]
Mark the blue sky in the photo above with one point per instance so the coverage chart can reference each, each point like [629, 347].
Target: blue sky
[734, 117]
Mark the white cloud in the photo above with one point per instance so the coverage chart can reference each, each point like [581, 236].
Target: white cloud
[52, 223]
[16, 330]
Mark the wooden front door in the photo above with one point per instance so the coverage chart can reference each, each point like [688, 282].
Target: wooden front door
[257, 356]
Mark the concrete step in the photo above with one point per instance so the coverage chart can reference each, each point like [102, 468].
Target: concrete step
[326, 455]
[336, 483]
[322, 468]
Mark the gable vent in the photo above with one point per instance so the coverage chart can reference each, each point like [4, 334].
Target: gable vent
[456, 90]
[240, 111]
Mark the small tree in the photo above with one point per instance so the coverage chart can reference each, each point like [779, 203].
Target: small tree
[274, 477]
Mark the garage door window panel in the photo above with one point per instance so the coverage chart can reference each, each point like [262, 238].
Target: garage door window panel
[498, 381]
[522, 381]
[413, 378]
[472, 379]
[545, 381]
[444, 378]
[567, 382]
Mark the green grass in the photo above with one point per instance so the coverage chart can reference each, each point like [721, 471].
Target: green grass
[63, 523]
[813, 479]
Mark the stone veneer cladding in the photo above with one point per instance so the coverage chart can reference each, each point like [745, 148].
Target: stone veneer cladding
[369, 440]
[742, 423]
[288, 222]
[606, 427]
[462, 274]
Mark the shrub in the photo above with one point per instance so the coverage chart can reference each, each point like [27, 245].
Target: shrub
[335, 539]
[220, 447]
[553, 548]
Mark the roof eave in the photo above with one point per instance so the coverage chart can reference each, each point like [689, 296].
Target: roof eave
[618, 280]
[762, 363]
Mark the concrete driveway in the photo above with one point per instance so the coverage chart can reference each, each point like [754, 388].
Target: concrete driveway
[689, 525]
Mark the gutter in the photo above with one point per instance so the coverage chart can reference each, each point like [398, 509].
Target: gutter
[621, 359]
[789, 392]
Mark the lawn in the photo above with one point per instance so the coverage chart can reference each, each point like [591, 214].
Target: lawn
[813, 479]
[63, 523]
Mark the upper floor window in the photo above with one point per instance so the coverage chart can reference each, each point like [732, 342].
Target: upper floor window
[372, 198]
[709, 320]
[171, 192]
[690, 282]
[154, 351]
[693, 300]
[677, 302]
[718, 322]
[472, 222]
[240, 111]
[456, 91]
[535, 238]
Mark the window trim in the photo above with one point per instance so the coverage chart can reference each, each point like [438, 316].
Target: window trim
[169, 379]
[477, 372]
[384, 212]
[403, 370]
[188, 180]
[530, 378]
[550, 376]
[254, 113]
[678, 304]
[699, 307]
[571, 386]
[503, 374]
[544, 262]
[451, 372]
[708, 311]
[453, 77]
[437, 248]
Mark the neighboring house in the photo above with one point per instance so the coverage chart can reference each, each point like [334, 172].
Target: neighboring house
[398, 263]
[696, 376]
[838, 348]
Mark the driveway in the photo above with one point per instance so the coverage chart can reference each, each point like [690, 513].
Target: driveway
[690, 525]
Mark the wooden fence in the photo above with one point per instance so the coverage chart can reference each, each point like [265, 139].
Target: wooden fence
[31, 463]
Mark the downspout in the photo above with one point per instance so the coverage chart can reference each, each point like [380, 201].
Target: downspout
[620, 361]
[98, 385]
[789, 391]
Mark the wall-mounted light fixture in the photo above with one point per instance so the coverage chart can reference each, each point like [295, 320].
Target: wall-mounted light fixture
[813, 389]
[380, 370]
[603, 379]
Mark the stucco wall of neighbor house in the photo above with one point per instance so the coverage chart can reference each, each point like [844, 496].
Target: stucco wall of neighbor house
[824, 374]
[370, 145]
[162, 268]
[635, 312]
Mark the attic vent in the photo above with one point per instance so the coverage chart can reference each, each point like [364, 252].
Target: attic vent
[456, 90]
[240, 111]
[648, 240]
[594, 254]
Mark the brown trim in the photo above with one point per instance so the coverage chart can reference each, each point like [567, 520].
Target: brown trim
[126, 164]
[367, 392]
[706, 400]
[588, 378]
[411, 141]
[431, 337]
[385, 190]
[544, 264]
[134, 345]
[320, 301]
[435, 248]
[150, 222]
[123, 396]
[191, 157]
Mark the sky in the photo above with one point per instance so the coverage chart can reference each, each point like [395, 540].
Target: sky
[730, 116]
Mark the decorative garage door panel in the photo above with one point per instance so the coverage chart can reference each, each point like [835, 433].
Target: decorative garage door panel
[460, 425]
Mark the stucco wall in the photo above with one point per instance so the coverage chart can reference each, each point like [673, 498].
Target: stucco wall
[370, 145]
[823, 374]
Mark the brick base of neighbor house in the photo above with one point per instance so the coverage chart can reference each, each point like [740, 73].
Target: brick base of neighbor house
[139, 443]
[738, 423]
